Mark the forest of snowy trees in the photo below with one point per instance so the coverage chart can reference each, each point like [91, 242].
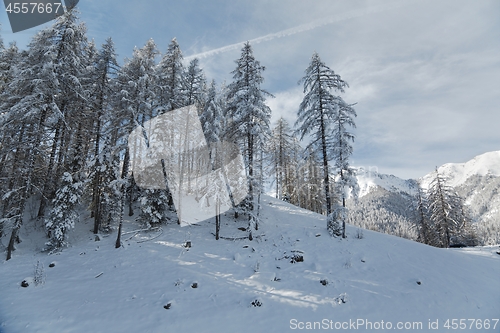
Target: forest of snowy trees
[67, 108]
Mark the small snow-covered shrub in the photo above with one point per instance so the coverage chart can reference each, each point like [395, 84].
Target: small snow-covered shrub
[335, 219]
[154, 207]
[359, 234]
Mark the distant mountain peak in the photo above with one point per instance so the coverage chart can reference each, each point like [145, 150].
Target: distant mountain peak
[369, 180]
[457, 174]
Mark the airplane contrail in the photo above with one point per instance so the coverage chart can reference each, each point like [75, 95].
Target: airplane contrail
[296, 30]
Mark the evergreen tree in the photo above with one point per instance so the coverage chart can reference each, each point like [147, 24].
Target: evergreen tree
[66, 45]
[281, 148]
[194, 84]
[312, 183]
[317, 113]
[10, 156]
[448, 216]
[194, 93]
[30, 110]
[170, 92]
[171, 80]
[215, 189]
[211, 117]
[103, 70]
[248, 118]
[9, 58]
[64, 215]
[425, 232]
[153, 207]
[342, 150]
[136, 84]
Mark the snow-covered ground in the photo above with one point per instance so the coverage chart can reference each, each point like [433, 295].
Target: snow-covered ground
[368, 283]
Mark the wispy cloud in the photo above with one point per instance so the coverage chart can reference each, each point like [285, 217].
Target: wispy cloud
[298, 29]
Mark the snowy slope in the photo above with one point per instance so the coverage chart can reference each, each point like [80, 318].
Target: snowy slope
[458, 173]
[376, 278]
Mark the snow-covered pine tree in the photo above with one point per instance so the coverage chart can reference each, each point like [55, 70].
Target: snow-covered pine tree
[425, 232]
[169, 89]
[213, 191]
[194, 91]
[213, 124]
[194, 84]
[171, 79]
[448, 215]
[154, 206]
[317, 114]
[211, 117]
[9, 58]
[67, 46]
[341, 145]
[248, 118]
[335, 218]
[281, 151]
[9, 61]
[109, 195]
[103, 69]
[28, 106]
[311, 188]
[63, 215]
[134, 101]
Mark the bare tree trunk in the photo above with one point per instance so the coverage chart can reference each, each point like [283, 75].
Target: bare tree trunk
[125, 177]
[343, 220]
[250, 186]
[118, 242]
[96, 192]
[217, 218]
[27, 187]
[48, 176]
[131, 195]
[326, 176]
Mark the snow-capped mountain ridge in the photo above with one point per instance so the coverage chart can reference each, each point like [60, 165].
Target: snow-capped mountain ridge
[457, 174]
[477, 181]
[369, 180]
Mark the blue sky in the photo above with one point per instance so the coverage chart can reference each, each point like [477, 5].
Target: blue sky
[425, 74]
